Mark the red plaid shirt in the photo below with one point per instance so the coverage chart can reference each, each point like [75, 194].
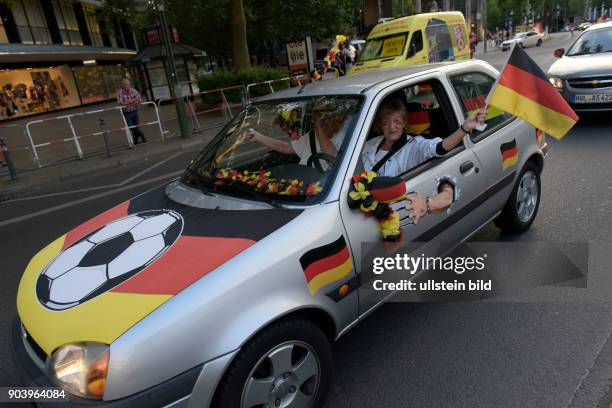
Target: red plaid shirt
[131, 97]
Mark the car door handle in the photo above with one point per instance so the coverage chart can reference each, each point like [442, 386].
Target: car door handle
[466, 166]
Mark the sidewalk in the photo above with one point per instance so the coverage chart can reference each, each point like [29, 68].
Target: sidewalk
[28, 181]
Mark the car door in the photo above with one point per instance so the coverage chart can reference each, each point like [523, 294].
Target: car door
[459, 168]
[470, 88]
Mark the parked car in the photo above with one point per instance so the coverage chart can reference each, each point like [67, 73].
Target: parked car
[226, 287]
[525, 39]
[583, 73]
[584, 26]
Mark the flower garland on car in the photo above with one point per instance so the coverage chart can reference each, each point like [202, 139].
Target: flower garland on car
[263, 181]
[372, 194]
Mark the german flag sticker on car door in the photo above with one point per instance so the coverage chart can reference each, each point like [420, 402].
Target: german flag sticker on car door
[326, 264]
[509, 154]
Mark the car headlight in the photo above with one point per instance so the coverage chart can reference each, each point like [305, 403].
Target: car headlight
[556, 82]
[80, 368]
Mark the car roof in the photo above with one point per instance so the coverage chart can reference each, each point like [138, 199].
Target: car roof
[598, 26]
[363, 82]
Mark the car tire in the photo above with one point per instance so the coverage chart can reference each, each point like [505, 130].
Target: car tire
[303, 345]
[522, 206]
[522, 45]
[539, 42]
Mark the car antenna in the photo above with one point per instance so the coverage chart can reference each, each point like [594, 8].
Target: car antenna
[303, 86]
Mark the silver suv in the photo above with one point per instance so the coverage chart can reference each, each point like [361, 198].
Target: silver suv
[226, 287]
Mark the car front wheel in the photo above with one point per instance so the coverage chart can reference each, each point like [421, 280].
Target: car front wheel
[288, 364]
[522, 206]
[539, 42]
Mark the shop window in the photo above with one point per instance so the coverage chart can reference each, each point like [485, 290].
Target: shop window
[92, 25]
[30, 22]
[98, 83]
[67, 23]
[29, 91]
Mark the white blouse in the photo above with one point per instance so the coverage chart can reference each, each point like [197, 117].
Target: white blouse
[416, 151]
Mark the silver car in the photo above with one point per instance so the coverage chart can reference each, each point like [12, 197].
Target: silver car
[226, 287]
[583, 74]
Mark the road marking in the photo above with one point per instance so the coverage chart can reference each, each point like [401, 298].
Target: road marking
[86, 199]
[135, 176]
[84, 190]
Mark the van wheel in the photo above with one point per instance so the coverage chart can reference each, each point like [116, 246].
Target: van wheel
[522, 206]
[288, 364]
[539, 43]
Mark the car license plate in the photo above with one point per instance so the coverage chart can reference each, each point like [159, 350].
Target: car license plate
[595, 98]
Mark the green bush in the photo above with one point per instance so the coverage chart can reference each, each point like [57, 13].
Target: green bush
[222, 78]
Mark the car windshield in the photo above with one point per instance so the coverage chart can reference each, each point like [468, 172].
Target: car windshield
[384, 47]
[277, 151]
[592, 42]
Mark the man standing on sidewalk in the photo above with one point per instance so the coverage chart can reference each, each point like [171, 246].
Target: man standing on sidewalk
[129, 98]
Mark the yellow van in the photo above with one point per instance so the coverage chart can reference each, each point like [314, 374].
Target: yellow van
[418, 39]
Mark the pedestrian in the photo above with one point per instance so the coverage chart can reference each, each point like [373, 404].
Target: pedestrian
[129, 98]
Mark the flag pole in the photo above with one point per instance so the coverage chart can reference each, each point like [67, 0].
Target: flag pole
[483, 126]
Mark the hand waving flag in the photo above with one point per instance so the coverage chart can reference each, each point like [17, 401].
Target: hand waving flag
[524, 91]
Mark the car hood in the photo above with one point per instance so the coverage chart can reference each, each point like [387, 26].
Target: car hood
[582, 65]
[102, 277]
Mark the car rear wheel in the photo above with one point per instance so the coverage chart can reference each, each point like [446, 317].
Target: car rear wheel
[539, 42]
[522, 206]
[288, 364]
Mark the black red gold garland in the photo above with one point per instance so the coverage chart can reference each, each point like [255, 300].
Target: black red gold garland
[289, 122]
[372, 194]
[263, 181]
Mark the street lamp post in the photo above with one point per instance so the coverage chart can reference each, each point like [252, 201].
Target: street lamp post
[175, 89]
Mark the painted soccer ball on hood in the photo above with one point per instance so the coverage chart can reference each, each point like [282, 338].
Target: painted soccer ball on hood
[107, 257]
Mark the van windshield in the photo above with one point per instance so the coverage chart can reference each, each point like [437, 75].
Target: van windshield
[384, 47]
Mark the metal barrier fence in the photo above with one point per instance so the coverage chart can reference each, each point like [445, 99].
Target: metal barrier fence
[109, 129]
[36, 144]
[214, 103]
[268, 85]
[18, 146]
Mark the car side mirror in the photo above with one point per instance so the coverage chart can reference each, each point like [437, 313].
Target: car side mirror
[559, 52]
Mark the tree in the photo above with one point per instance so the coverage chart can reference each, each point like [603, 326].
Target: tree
[239, 36]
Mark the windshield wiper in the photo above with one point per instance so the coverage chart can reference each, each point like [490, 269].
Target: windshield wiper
[203, 183]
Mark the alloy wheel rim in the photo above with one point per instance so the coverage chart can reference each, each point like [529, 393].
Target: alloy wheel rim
[287, 376]
[527, 196]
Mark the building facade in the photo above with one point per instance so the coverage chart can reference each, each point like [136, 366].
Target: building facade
[56, 54]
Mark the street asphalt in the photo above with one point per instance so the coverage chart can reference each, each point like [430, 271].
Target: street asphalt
[548, 347]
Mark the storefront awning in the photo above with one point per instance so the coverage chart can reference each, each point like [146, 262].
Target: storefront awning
[157, 51]
[17, 53]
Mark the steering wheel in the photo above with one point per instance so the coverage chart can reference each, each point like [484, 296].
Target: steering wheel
[316, 156]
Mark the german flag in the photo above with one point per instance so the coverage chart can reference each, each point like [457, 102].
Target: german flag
[418, 122]
[524, 91]
[326, 264]
[509, 153]
[388, 189]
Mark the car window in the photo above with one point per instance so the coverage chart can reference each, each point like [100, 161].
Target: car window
[472, 89]
[439, 41]
[416, 43]
[428, 117]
